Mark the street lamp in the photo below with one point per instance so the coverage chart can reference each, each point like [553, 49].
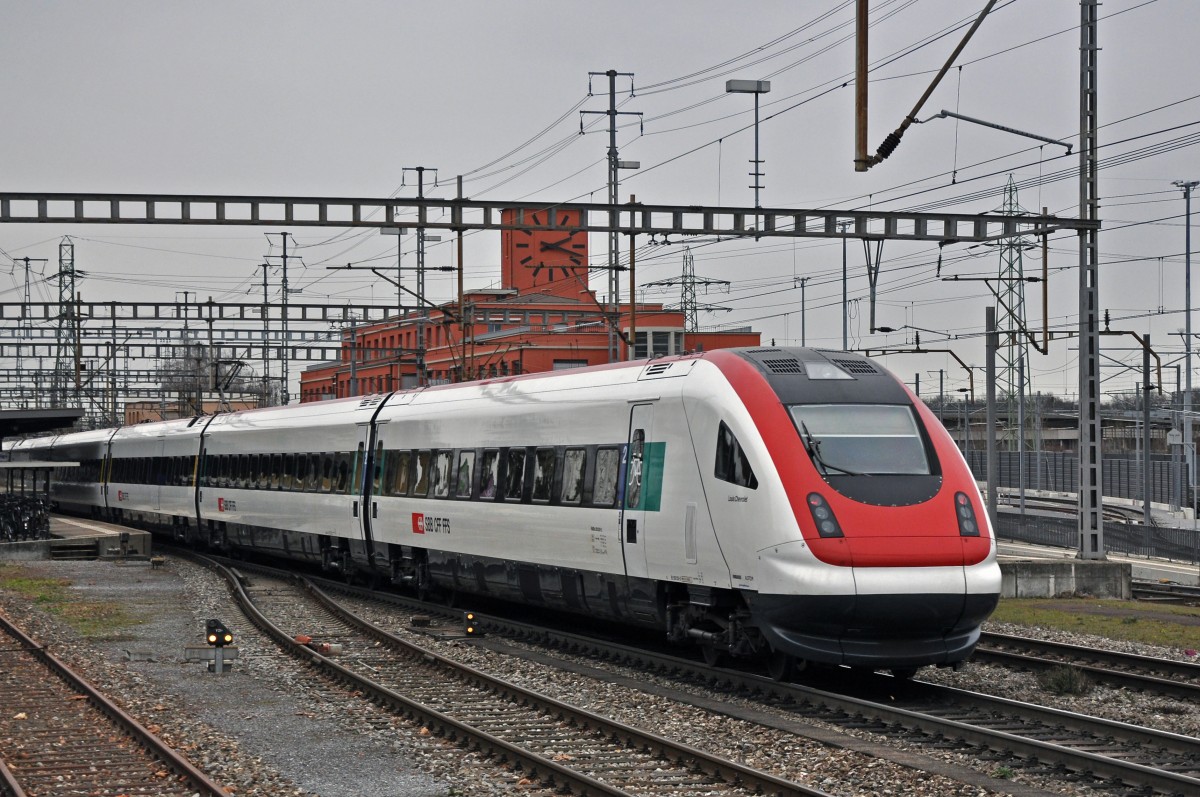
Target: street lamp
[755, 87]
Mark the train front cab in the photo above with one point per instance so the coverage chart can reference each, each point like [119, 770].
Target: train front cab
[881, 553]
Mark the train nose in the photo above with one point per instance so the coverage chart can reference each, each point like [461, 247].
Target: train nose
[871, 616]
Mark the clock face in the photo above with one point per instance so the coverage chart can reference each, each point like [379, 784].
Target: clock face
[545, 258]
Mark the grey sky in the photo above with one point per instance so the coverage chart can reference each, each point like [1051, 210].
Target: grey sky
[334, 99]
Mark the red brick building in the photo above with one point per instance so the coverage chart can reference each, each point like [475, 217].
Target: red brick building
[542, 318]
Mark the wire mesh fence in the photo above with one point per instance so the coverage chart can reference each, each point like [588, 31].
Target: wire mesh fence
[1134, 539]
[1058, 471]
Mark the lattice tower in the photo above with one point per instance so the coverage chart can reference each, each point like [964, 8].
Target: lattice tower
[62, 384]
[1010, 319]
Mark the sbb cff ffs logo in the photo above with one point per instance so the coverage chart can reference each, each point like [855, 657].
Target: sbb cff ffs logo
[429, 525]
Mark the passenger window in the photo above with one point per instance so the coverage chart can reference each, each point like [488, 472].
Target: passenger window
[608, 470]
[326, 473]
[572, 481]
[314, 472]
[276, 470]
[543, 474]
[732, 465]
[403, 472]
[514, 480]
[377, 476]
[439, 477]
[343, 472]
[489, 473]
[466, 467]
[421, 476]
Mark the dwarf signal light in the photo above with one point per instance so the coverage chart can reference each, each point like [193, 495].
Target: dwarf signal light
[216, 634]
[471, 624]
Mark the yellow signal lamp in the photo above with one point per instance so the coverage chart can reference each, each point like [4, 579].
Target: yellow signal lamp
[216, 634]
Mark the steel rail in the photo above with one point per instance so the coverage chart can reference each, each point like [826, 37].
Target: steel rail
[558, 775]
[1078, 760]
[156, 746]
[990, 649]
[806, 699]
[8, 782]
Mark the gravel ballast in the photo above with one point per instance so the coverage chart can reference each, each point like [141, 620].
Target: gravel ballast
[270, 727]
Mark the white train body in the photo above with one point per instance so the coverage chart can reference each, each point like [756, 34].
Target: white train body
[684, 493]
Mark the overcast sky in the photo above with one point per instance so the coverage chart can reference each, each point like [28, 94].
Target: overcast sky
[336, 99]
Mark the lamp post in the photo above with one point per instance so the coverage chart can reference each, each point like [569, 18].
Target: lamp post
[755, 87]
[1190, 453]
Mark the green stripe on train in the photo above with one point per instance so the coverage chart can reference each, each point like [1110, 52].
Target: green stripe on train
[648, 495]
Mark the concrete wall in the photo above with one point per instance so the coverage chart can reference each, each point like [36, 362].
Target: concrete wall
[1052, 579]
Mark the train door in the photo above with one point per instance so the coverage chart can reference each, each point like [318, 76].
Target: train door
[640, 492]
[360, 490]
[158, 474]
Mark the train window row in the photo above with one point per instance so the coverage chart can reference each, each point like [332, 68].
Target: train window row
[88, 472]
[584, 475]
[166, 471]
[293, 472]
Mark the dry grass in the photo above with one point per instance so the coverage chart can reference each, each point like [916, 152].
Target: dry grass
[91, 619]
[1151, 624]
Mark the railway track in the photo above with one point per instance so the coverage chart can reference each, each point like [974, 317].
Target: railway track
[551, 742]
[1175, 678]
[1166, 593]
[1078, 747]
[60, 736]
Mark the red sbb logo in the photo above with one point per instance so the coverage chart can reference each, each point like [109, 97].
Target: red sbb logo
[226, 505]
[431, 525]
[122, 495]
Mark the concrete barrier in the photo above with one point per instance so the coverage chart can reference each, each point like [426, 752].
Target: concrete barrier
[1069, 578]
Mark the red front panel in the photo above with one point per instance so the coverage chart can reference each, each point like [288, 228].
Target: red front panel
[922, 535]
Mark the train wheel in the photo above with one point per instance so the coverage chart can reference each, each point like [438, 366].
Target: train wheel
[781, 666]
[713, 655]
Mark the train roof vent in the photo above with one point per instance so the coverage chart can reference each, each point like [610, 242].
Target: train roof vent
[664, 370]
[783, 365]
[370, 401]
[763, 351]
[856, 366]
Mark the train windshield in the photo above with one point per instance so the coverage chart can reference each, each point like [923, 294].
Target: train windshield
[861, 439]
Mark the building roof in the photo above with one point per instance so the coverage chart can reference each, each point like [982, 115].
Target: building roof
[24, 422]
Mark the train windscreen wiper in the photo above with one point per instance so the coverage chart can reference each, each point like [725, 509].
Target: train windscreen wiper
[813, 446]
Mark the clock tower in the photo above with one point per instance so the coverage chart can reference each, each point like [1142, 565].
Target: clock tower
[539, 259]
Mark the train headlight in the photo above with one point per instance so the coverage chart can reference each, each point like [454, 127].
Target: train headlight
[967, 525]
[827, 525]
[216, 634]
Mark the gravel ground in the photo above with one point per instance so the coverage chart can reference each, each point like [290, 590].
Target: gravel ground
[270, 728]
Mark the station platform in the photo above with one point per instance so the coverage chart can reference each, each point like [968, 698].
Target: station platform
[77, 538]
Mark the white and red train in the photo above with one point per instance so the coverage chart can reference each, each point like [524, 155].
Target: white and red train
[797, 504]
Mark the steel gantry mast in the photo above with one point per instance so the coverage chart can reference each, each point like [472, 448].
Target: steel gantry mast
[1091, 517]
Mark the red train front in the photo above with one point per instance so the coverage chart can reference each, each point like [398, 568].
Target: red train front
[875, 549]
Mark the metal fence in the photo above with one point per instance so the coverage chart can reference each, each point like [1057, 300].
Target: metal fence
[1059, 472]
[1180, 545]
